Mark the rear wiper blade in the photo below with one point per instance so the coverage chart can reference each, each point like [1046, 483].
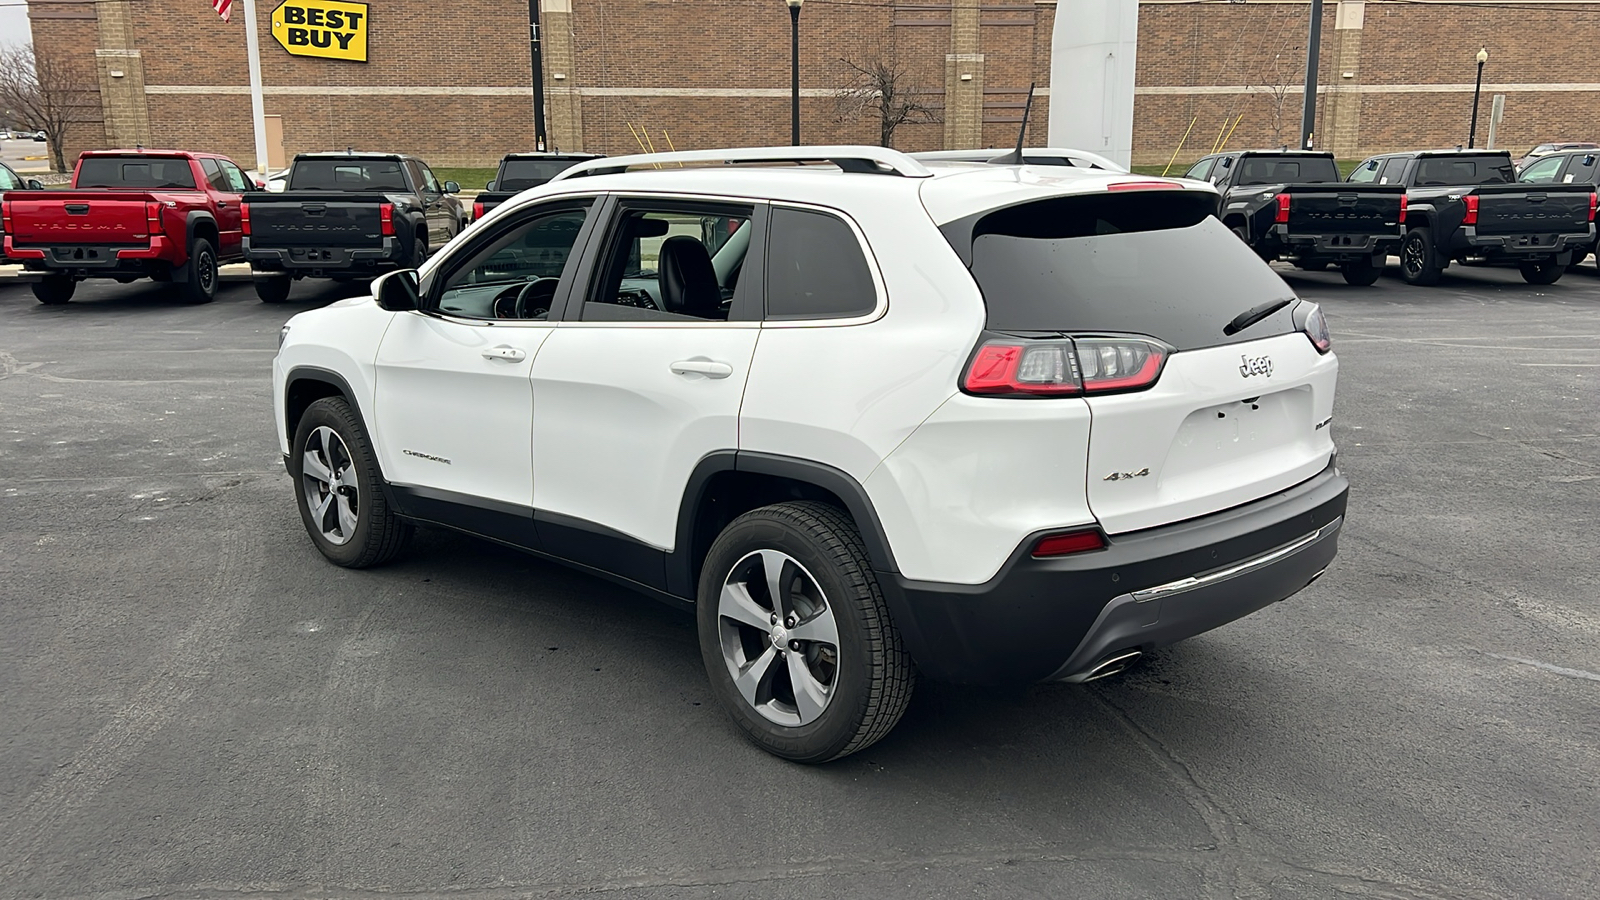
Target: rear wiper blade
[1254, 314]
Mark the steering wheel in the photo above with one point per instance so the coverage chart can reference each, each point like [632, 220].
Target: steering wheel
[535, 296]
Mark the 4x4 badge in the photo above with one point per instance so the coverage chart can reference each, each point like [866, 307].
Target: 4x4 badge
[1123, 476]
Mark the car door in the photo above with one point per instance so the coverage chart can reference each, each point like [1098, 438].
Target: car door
[453, 407]
[441, 219]
[226, 199]
[644, 377]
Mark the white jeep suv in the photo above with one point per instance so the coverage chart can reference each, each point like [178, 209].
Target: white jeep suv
[864, 416]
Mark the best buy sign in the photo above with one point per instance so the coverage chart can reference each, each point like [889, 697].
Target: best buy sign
[327, 28]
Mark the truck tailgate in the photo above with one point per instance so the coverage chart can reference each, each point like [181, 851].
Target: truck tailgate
[314, 218]
[51, 218]
[1343, 209]
[1534, 208]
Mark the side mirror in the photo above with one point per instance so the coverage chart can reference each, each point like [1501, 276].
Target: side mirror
[35, 184]
[450, 187]
[489, 186]
[397, 291]
[261, 185]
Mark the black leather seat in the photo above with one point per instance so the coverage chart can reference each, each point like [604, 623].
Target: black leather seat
[688, 280]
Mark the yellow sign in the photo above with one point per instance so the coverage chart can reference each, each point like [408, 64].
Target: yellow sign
[326, 28]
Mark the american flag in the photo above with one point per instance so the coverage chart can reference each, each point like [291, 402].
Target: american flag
[224, 8]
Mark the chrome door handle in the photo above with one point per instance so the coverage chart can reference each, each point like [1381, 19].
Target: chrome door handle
[706, 367]
[510, 354]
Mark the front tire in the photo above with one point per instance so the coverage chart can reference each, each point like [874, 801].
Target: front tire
[201, 285]
[1546, 271]
[54, 290]
[1361, 272]
[796, 637]
[339, 490]
[1418, 263]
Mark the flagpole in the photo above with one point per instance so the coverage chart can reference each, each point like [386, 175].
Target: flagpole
[258, 114]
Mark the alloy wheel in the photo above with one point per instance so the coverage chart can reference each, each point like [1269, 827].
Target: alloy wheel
[328, 484]
[1412, 255]
[779, 638]
[208, 271]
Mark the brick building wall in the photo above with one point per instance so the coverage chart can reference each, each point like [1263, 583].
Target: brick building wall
[450, 81]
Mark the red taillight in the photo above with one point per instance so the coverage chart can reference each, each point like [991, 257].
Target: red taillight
[1069, 543]
[1403, 204]
[1594, 203]
[1282, 218]
[477, 210]
[1472, 209]
[5, 217]
[1058, 367]
[1316, 330]
[244, 219]
[1144, 186]
[386, 217]
[153, 217]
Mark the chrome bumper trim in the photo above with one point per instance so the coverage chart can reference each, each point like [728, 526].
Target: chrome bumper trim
[1234, 571]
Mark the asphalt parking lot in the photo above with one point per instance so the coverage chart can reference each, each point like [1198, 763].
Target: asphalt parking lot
[195, 704]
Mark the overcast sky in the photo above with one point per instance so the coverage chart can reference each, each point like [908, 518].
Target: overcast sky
[13, 21]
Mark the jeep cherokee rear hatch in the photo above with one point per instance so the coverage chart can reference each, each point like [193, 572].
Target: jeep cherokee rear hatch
[1204, 386]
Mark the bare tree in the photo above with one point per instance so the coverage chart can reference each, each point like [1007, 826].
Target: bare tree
[881, 90]
[47, 93]
[1278, 76]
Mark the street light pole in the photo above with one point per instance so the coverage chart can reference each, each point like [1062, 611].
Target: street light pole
[1308, 118]
[794, 71]
[1477, 89]
[536, 54]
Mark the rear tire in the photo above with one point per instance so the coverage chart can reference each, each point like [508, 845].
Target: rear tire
[1578, 256]
[1546, 271]
[274, 290]
[419, 250]
[830, 676]
[339, 489]
[201, 285]
[1318, 266]
[1418, 262]
[54, 290]
[1361, 273]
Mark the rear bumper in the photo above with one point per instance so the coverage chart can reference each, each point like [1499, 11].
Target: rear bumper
[318, 261]
[1054, 619]
[1469, 241]
[99, 260]
[1337, 246]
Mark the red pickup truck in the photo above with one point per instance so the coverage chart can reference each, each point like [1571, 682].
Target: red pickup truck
[168, 215]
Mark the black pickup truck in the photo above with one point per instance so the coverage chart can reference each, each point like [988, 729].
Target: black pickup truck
[347, 215]
[1291, 205]
[1466, 206]
[520, 171]
[1567, 167]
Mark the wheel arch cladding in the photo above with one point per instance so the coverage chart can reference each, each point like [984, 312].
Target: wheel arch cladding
[201, 224]
[726, 485]
[305, 386]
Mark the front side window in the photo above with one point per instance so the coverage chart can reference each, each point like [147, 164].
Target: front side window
[515, 272]
[237, 181]
[816, 268]
[426, 179]
[1200, 170]
[1366, 173]
[1544, 171]
[681, 262]
[8, 181]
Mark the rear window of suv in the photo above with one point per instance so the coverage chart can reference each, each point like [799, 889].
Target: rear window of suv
[1155, 263]
[135, 173]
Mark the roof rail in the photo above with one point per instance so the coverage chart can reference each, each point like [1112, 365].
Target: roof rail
[1091, 160]
[870, 160]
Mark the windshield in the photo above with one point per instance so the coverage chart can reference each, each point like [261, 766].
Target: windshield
[135, 173]
[1445, 171]
[346, 175]
[1287, 170]
[521, 174]
[1153, 263]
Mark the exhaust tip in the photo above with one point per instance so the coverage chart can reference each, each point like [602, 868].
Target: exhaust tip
[1115, 664]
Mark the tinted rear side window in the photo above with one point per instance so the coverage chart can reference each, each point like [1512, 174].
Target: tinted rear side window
[1464, 170]
[1153, 263]
[815, 268]
[138, 172]
[1281, 170]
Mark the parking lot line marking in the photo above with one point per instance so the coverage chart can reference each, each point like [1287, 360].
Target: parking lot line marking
[1562, 365]
[1559, 670]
